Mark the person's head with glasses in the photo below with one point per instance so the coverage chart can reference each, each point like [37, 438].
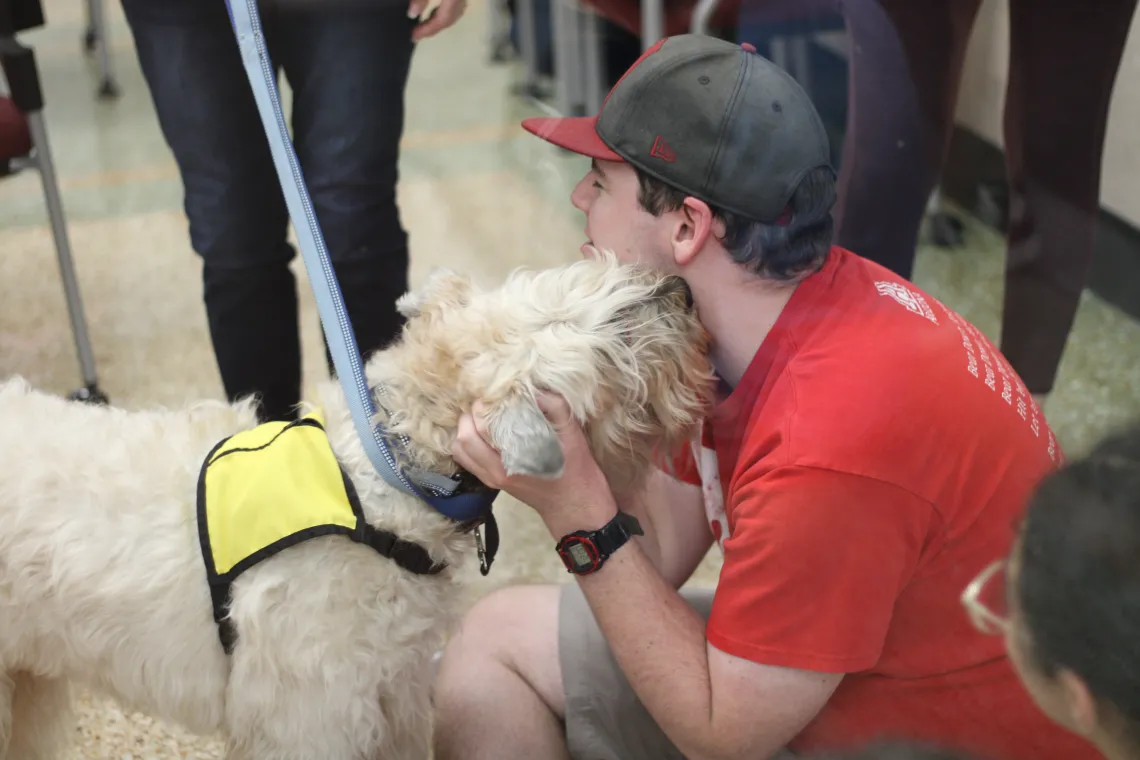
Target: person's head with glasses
[1067, 599]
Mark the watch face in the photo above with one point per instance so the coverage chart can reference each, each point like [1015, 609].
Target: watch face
[579, 554]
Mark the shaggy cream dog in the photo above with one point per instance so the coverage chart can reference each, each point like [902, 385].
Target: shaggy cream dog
[101, 573]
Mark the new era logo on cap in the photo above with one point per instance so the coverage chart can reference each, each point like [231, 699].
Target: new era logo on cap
[662, 150]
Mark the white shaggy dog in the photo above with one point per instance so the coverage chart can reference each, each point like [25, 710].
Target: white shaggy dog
[102, 580]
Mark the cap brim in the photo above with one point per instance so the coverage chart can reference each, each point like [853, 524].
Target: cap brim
[577, 134]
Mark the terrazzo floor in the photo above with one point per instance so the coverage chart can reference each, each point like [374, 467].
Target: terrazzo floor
[477, 194]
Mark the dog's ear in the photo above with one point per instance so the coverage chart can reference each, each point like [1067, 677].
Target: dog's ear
[526, 440]
[669, 290]
[441, 287]
[408, 305]
[675, 287]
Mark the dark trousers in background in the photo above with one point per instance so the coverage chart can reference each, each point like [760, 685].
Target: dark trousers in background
[1064, 58]
[347, 70]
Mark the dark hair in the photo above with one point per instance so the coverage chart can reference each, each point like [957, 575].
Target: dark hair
[885, 750]
[780, 252]
[1078, 576]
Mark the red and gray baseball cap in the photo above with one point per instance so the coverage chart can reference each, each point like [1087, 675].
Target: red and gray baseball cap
[709, 117]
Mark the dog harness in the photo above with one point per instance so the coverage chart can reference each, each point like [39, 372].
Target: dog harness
[269, 488]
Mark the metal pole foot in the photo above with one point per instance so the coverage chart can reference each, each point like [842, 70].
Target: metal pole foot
[96, 41]
[90, 395]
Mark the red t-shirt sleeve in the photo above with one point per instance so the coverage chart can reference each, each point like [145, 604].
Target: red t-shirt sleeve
[812, 567]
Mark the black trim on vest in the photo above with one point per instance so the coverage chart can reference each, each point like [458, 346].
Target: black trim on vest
[410, 556]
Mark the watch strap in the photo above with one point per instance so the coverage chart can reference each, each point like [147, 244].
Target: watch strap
[614, 534]
[603, 542]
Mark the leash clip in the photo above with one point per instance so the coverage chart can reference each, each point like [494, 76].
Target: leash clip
[481, 550]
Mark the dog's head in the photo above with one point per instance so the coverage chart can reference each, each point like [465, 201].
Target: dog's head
[621, 343]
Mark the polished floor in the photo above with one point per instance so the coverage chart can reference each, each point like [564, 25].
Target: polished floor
[477, 194]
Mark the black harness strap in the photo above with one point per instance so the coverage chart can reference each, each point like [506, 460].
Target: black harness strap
[409, 556]
[412, 557]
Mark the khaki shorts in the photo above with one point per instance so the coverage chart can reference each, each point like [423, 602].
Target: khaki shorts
[604, 718]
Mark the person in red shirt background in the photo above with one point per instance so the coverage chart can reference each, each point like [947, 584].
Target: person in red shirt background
[869, 455]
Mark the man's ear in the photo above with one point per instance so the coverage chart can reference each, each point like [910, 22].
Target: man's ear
[1080, 703]
[443, 287]
[526, 440]
[695, 227]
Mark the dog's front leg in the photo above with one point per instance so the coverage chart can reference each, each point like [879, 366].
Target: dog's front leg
[7, 686]
[39, 717]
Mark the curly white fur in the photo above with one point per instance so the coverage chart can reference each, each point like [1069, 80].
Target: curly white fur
[101, 576]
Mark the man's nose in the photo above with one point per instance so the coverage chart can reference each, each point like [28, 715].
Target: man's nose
[580, 195]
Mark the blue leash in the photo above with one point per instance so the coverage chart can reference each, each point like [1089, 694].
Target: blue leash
[440, 493]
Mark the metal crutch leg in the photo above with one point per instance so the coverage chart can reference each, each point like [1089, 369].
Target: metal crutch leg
[96, 40]
[652, 22]
[498, 31]
[593, 69]
[566, 34]
[90, 391]
[23, 82]
[528, 44]
[946, 230]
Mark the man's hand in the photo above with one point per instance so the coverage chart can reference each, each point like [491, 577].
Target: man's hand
[443, 16]
[578, 500]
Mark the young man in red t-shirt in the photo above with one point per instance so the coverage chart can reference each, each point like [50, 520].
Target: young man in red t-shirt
[870, 454]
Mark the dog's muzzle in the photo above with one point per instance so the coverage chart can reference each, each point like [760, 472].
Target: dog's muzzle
[462, 498]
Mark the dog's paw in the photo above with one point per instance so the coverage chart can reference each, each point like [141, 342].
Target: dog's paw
[541, 458]
[526, 440]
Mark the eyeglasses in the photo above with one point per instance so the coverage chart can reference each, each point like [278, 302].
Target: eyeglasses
[984, 600]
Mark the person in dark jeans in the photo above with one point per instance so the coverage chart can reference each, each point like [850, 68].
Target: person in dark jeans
[347, 65]
[1064, 59]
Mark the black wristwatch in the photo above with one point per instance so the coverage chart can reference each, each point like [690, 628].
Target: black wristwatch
[585, 551]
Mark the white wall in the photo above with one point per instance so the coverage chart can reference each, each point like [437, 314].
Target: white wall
[983, 93]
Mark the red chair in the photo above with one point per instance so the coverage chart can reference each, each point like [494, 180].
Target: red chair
[15, 137]
[24, 145]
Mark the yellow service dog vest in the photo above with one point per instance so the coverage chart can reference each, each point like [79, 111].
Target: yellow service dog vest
[263, 490]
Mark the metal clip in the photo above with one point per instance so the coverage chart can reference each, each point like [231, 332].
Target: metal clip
[481, 550]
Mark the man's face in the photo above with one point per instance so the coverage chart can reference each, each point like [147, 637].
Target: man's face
[615, 220]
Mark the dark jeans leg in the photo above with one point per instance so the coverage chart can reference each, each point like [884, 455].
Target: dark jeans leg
[348, 69]
[885, 184]
[237, 216]
[1063, 66]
